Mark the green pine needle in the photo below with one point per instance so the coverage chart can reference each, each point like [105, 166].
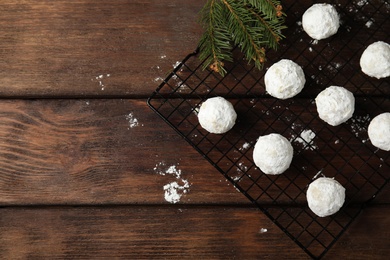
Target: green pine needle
[252, 25]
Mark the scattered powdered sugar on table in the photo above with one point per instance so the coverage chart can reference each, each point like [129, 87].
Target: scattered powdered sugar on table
[174, 171]
[263, 230]
[99, 79]
[133, 122]
[158, 79]
[306, 139]
[180, 84]
[177, 64]
[174, 190]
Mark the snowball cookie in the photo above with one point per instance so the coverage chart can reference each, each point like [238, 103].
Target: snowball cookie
[379, 131]
[217, 115]
[320, 21]
[284, 79]
[375, 60]
[325, 196]
[335, 105]
[273, 154]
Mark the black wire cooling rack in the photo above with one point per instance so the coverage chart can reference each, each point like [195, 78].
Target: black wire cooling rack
[343, 152]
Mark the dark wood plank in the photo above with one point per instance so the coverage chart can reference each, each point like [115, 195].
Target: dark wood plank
[173, 233]
[100, 151]
[125, 48]
[85, 152]
[84, 48]
[366, 238]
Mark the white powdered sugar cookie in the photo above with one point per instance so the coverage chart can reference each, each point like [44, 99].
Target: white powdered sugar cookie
[335, 105]
[320, 21]
[379, 131]
[273, 154]
[284, 79]
[375, 60]
[217, 115]
[325, 196]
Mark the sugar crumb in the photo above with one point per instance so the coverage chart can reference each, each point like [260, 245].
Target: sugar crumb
[263, 230]
[133, 122]
[177, 64]
[306, 138]
[369, 23]
[174, 190]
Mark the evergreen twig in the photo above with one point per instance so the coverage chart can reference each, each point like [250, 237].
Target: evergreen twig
[252, 25]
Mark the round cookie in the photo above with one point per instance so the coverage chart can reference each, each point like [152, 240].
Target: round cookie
[284, 79]
[335, 105]
[217, 115]
[375, 60]
[325, 196]
[273, 154]
[379, 131]
[320, 21]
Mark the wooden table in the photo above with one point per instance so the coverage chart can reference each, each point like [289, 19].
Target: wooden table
[84, 161]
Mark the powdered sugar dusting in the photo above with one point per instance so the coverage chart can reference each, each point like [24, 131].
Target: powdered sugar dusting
[174, 190]
[306, 138]
[263, 230]
[362, 2]
[359, 125]
[241, 168]
[174, 171]
[100, 78]
[177, 64]
[133, 122]
[369, 23]
[158, 79]
[245, 146]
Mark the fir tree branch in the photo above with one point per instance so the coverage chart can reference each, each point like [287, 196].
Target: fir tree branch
[249, 24]
[268, 26]
[253, 51]
[214, 44]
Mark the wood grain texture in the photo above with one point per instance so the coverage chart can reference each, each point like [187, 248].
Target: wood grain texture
[363, 239]
[171, 233]
[84, 178]
[99, 151]
[60, 48]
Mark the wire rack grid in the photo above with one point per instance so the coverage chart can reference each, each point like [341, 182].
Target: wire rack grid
[343, 152]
